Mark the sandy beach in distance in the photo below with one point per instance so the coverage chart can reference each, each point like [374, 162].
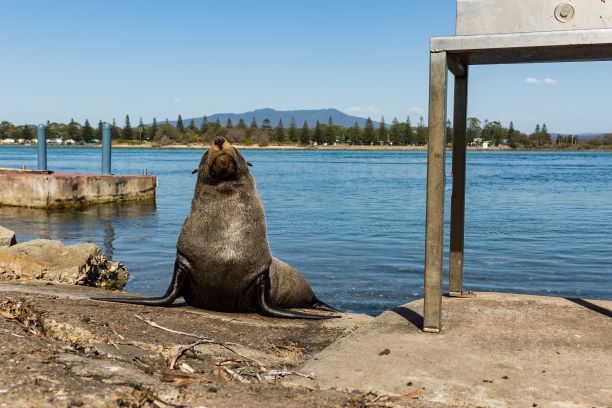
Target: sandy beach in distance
[292, 147]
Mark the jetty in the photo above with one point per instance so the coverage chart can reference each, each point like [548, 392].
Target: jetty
[57, 190]
[42, 188]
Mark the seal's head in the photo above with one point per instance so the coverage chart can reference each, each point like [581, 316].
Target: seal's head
[222, 163]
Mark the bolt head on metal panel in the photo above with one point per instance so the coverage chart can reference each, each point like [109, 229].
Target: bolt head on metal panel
[564, 12]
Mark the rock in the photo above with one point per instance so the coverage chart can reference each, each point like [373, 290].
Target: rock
[79, 264]
[7, 237]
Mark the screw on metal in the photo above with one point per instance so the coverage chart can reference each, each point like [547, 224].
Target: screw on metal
[564, 12]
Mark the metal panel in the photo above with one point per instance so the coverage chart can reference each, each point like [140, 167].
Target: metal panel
[552, 46]
[521, 16]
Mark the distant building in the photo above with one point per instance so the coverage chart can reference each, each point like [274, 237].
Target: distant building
[55, 140]
[8, 140]
[485, 145]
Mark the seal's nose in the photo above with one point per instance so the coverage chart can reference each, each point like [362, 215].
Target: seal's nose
[219, 141]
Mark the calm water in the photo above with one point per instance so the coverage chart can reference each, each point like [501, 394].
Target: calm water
[353, 222]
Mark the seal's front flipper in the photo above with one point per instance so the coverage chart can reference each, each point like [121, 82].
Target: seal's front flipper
[268, 308]
[320, 305]
[173, 292]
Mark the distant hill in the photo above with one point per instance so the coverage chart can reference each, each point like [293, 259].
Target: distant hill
[309, 115]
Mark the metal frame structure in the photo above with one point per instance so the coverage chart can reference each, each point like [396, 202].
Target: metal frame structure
[457, 54]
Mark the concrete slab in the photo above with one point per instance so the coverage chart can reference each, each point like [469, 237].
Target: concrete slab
[41, 190]
[497, 350]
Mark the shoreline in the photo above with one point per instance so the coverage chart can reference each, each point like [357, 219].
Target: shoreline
[148, 145]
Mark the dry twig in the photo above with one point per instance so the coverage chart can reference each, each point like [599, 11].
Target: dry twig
[236, 376]
[201, 340]
[283, 373]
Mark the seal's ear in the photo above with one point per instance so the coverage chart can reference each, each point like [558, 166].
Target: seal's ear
[195, 171]
[249, 164]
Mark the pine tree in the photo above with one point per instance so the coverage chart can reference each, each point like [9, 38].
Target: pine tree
[229, 124]
[305, 134]
[97, 131]
[293, 136]
[449, 132]
[382, 131]
[408, 134]
[217, 124]
[511, 133]
[421, 133]
[126, 133]
[204, 125]
[330, 132]
[537, 129]
[394, 132]
[87, 132]
[279, 132]
[192, 127]
[179, 124]
[241, 124]
[72, 130]
[354, 134]
[266, 124]
[115, 131]
[368, 132]
[318, 134]
[141, 129]
[253, 123]
[152, 130]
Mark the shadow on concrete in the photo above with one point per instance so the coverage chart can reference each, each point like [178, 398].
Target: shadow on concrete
[410, 315]
[591, 306]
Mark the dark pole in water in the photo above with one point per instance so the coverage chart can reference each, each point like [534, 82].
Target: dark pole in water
[41, 136]
[106, 148]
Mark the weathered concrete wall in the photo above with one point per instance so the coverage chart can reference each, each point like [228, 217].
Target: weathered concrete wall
[66, 190]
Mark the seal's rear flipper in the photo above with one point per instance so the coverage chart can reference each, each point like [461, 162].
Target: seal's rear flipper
[320, 305]
[173, 292]
[268, 308]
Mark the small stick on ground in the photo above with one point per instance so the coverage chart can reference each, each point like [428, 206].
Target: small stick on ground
[184, 349]
[284, 373]
[201, 340]
[236, 376]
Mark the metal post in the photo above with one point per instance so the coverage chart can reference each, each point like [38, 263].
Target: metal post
[41, 136]
[434, 230]
[106, 148]
[455, 282]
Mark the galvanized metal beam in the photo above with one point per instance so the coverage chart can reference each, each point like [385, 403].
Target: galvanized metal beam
[455, 282]
[434, 229]
[552, 46]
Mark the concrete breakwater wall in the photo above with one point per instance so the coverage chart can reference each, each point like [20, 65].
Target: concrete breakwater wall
[56, 190]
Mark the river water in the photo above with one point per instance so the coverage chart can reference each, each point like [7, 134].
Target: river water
[353, 221]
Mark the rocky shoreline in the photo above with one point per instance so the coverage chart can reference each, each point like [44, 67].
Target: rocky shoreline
[59, 348]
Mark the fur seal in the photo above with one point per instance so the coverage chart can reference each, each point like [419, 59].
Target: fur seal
[223, 261]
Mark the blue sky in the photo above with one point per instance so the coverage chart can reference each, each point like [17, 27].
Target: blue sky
[105, 59]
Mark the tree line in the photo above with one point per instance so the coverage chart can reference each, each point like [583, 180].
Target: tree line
[397, 133]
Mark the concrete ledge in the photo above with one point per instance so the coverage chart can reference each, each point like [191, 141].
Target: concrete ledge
[495, 350]
[58, 190]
